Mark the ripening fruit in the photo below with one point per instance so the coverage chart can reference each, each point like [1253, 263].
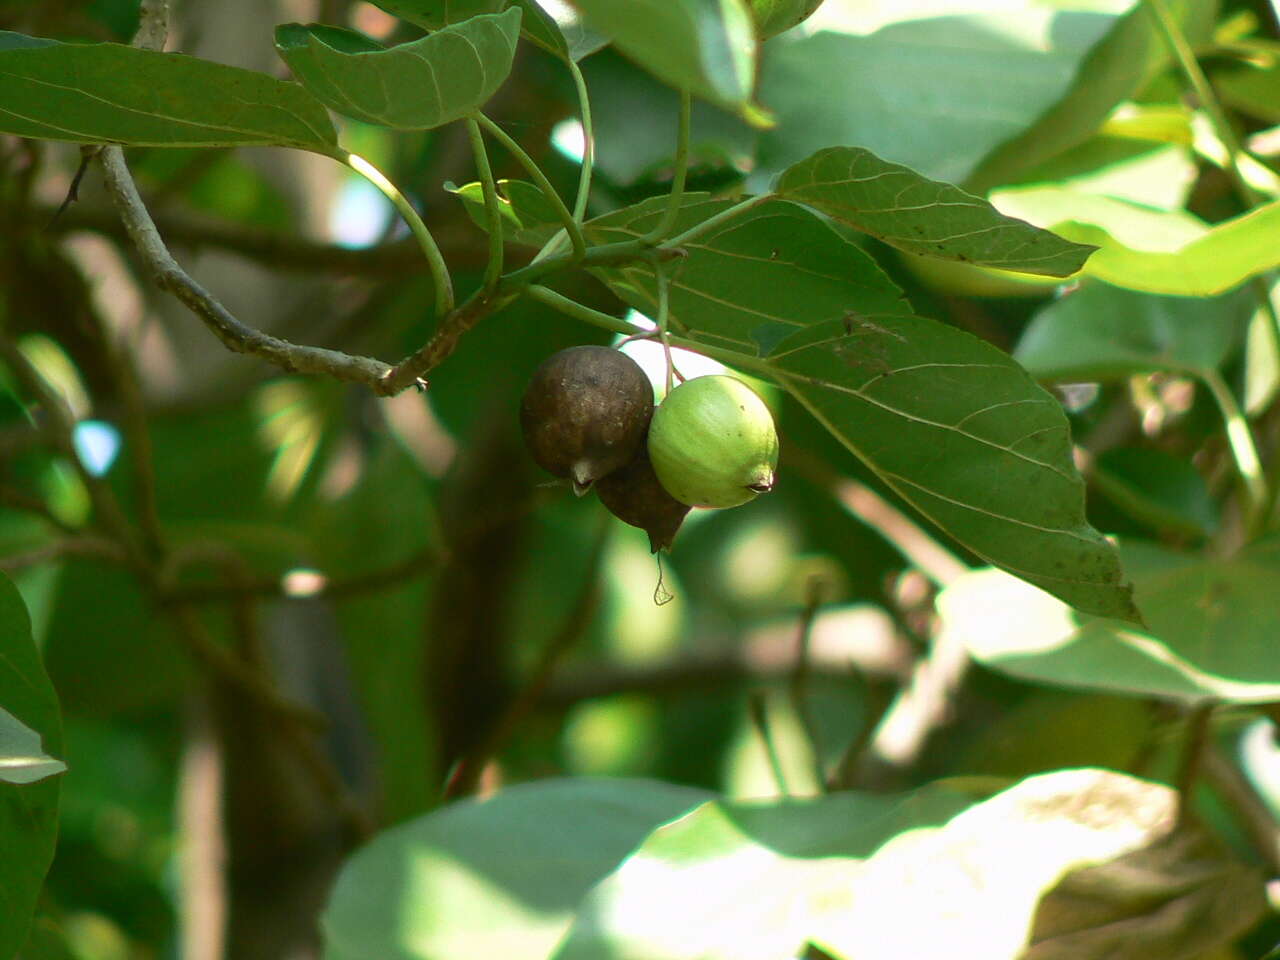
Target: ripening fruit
[774, 16]
[585, 412]
[634, 495]
[713, 443]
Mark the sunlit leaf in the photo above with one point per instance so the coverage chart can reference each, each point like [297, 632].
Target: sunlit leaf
[1154, 251]
[498, 878]
[109, 93]
[28, 810]
[707, 47]
[419, 85]
[963, 81]
[743, 881]
[923, 216]
[1209, 633]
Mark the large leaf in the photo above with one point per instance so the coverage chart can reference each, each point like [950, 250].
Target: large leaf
[28, 811]
[108, 93]
[1154, 251]
[965, 78]
[22, 758]
[1116, 69]
[1210, 628]
[564, 34]
[949, 421]
[966, 436]
[1087, 857]
[426, 83]
[743, 881]
[923, 216]
[498, 878]
[1100, 332]
[754, 281]
[707, 47]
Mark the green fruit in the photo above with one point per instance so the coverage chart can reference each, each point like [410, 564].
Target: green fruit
[712, 443]
[585, 412]
[774, 16]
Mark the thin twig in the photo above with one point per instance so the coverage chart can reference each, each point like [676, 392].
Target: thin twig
[676, 197]
[76, 546]
[798, 688]
[1191, 759]
[18, 500]
[466, 774]
[1242, 797]
[588, 143]
[492, 205]
[758, 710]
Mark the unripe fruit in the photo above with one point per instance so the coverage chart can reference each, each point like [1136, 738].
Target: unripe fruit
[713, 443]
[634, 495]
[585, 413]
[774, 16]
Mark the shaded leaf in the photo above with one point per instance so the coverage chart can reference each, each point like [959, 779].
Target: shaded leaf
[1158, 489]
[419, 85]
[753, 282]
[707, 47]
[497, 878]
[1100, 332]
[922, 216]
[527, 216]
[109, 93]
[742, 880]
[1154, 251]
[1253, 90]
[968, 438]
[28, 811]
[1209, 630]
[434, 14]
[564, 35]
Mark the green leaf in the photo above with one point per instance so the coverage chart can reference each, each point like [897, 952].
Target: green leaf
[983, 884]
[1157, 489]
[528, 217]
[922, 216]
[434, 14]
[1115, 69]
[22, 759]
[564, 35]
[1153, 251]
[1209, 636]
[962, 433]
[962, 83]
[707, 47]
[1100, 332]
[419, 85]
[744, 881]
[753, 282]
[28, 811]
[498, 878]
[1251, 90]
[108, 93]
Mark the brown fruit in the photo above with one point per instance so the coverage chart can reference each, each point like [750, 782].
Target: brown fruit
[585, 413]
[634, 495]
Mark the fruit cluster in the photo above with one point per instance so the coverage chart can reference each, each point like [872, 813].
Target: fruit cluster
[588, 416]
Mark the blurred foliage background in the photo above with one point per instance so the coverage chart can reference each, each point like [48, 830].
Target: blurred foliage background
[406, 569]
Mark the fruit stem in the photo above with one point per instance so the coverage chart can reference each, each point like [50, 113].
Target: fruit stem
[664, 315]
[588, 143]
[435, 260]
[493, 210]
[664, 225]
[571, 226]
[1240, 439]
